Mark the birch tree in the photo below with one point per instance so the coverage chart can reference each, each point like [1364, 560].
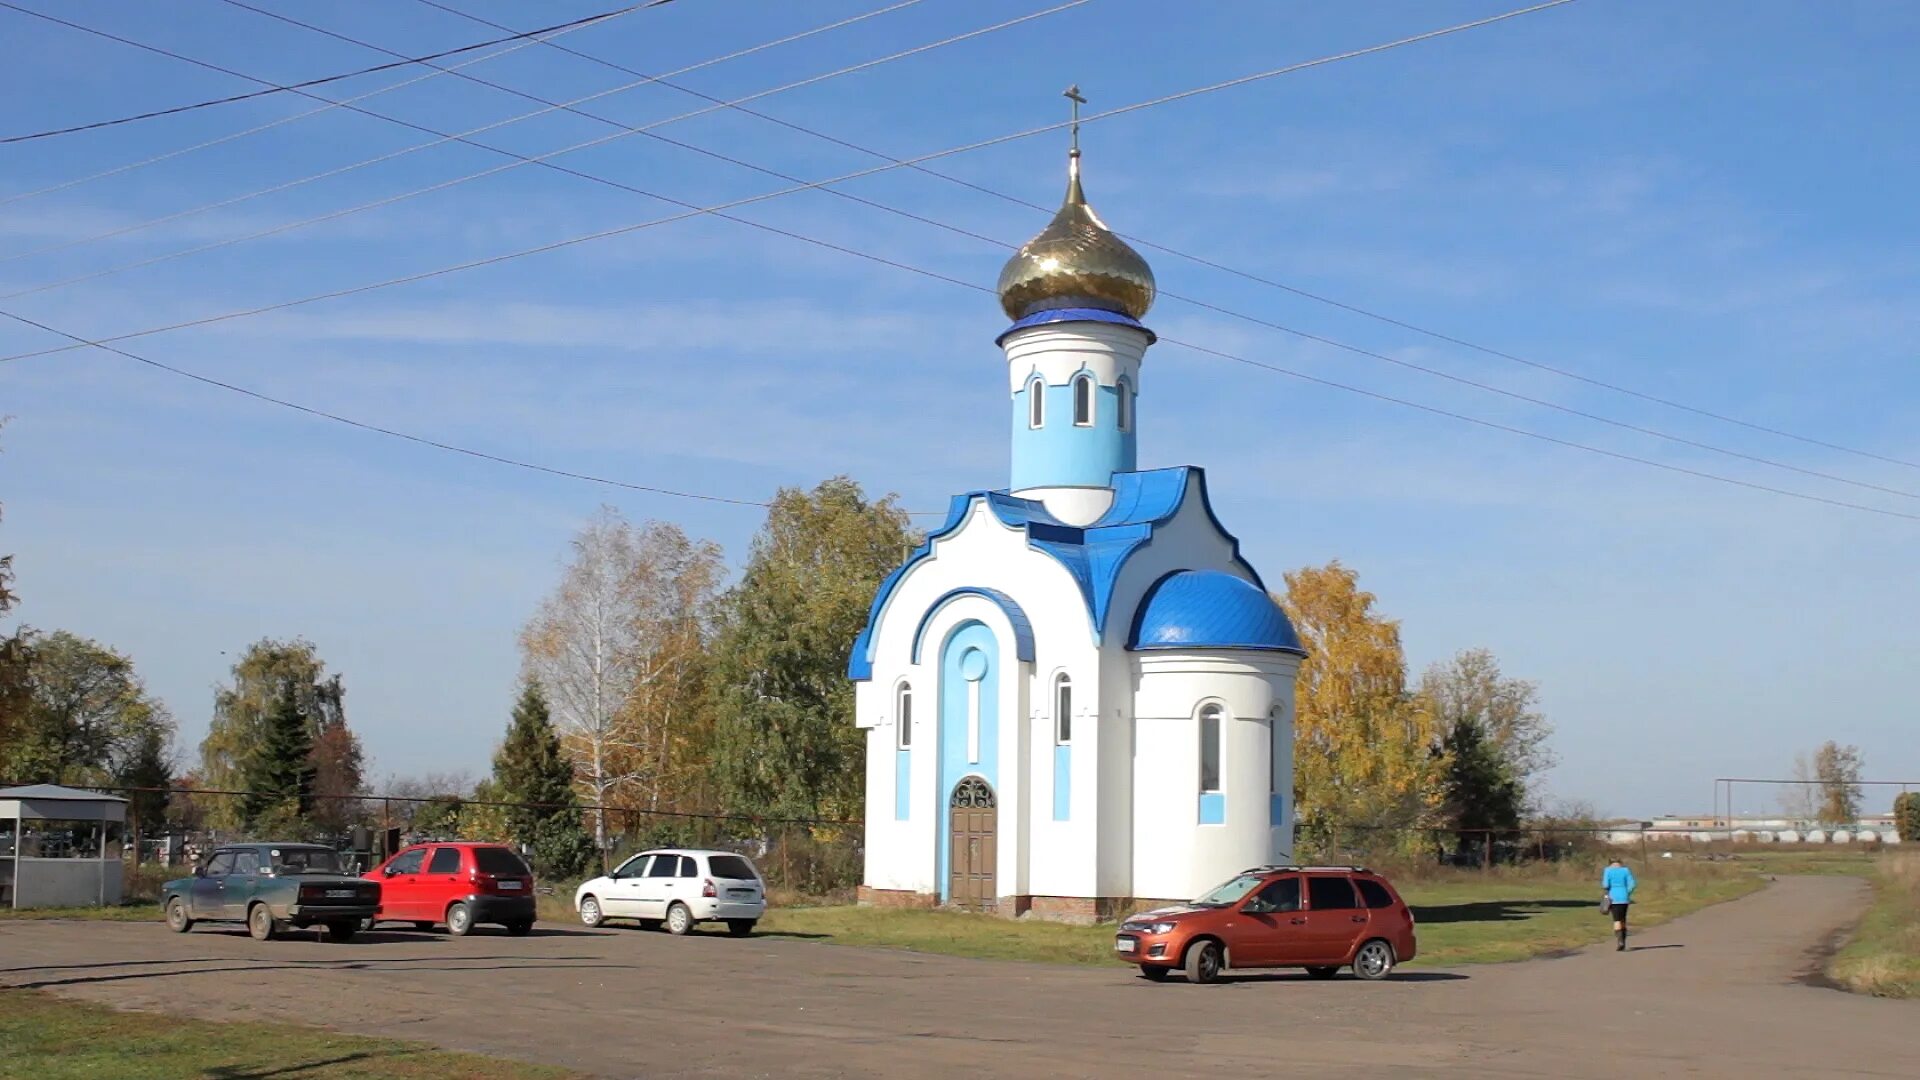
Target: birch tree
[618, 650]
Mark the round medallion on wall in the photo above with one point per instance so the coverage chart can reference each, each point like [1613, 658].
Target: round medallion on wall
[973, 665]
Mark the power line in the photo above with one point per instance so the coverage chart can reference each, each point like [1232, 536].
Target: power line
[764, 196]
[1386, 358]
[362, 425]
[1383, 357]
[516, 159]
[274, 88]
[81, 342]
[1244, 274]
[434, 71]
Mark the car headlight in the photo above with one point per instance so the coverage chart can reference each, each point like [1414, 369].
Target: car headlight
[1160, 927]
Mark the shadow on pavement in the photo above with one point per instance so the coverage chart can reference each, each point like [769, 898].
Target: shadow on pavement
[1302, 977]
[1492, 910]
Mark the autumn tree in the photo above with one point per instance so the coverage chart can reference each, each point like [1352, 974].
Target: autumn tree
[244, 712]
[784, 740]
[1837, 770]
[1363, 745]
[617, 650]
[1470, 686]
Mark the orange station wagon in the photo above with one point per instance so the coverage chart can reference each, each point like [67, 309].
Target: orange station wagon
[1321, 918]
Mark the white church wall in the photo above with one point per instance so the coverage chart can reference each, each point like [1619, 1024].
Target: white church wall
[1176, 854]
[981, 551]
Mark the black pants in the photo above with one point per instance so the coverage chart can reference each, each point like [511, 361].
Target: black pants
[1620, 914]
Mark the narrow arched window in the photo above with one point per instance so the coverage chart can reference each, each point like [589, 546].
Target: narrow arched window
[1123, 405]
[1062, 710]
[903, 717]
[1210, 716]
[1036, 403]
[1083, 400]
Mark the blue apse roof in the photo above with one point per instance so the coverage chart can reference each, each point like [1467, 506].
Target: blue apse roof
[1211, 609]
[1077, 314]
[1093, 554]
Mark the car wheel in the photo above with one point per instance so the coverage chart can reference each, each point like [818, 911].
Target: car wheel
[521, 928]
[423, 925]
[590, 911]
[1373, 961]
[342, 930]
[679, 919]
[1155, 973]
[740, 927]
[1322, 972]
[1204, 962]
[177, 920]
[261, 923]
[459, 920]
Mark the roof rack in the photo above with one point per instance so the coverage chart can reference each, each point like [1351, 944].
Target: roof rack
[1276, 867]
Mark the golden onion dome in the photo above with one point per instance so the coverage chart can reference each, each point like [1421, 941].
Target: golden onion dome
[1076, 262]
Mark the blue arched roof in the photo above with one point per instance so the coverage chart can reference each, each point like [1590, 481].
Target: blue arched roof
[1211, 609]
[1058, 315]
[1022, 626]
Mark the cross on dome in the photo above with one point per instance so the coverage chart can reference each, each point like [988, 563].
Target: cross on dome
[1076, 261]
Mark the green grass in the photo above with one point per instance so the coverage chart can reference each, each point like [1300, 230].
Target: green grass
[1463, 918]
[1882, 957]
[108, 913]
[43, 1037]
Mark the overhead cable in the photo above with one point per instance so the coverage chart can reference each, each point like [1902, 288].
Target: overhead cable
[274, 88]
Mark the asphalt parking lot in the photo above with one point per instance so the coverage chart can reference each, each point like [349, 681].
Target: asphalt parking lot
[1715, 994]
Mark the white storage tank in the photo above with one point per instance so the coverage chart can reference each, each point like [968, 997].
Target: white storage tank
[1841, 836]
[1788, 836]
[1742, 836]
[1766, 836]
[1816, 836]
[1866, 836]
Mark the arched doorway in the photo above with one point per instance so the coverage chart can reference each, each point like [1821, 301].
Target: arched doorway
[971, 849]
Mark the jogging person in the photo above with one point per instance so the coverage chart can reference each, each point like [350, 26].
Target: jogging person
[1617, 885]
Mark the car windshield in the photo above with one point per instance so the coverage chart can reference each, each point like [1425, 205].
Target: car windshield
[305, 861]
[1230, 893]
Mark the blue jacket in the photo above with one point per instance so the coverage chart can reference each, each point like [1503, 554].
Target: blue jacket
[1618, 883]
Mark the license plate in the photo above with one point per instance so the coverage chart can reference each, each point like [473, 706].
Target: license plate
[509, 885]
[340, 894]
[1123, 945]
[739, 892]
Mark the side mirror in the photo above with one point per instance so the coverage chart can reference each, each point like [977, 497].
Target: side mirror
[389, 871]
[199, 871]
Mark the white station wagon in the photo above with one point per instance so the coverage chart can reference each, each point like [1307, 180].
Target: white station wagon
[678, 888]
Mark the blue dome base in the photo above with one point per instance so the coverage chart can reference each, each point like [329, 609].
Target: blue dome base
[1211, 609]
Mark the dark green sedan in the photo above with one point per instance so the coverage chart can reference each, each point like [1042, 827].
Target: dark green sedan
[270, 887]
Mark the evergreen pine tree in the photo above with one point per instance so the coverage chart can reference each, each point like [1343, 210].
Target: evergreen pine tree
[1482, 795]
[280, 775]
[532, 770]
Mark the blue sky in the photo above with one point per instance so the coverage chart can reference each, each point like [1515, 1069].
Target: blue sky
[1709, 202]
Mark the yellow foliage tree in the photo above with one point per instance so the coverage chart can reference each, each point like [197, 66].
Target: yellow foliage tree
[1364, 747]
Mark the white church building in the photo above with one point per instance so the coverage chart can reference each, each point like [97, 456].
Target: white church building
[1076, 693]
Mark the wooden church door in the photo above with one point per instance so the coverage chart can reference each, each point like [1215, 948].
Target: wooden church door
[971, 855]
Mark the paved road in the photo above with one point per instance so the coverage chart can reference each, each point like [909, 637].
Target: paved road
[1714, 994]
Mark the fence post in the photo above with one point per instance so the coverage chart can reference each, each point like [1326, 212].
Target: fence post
[1488, 865]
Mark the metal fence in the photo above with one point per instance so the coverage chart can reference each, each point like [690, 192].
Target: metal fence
[815, 856]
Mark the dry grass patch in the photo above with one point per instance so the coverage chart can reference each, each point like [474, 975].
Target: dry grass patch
[1883, 956]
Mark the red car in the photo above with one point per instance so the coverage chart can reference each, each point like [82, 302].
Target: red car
[1321, 918]
[456, 883]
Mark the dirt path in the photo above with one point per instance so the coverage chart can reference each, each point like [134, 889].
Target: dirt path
[1713, 994]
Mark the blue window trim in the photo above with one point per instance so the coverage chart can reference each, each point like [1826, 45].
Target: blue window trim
[1062, 783]
[1213, 808]
[1276, 809]
[902, 785]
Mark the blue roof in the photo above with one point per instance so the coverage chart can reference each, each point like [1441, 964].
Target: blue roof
[1077, 314]
[1093, 554]
[1211, 609]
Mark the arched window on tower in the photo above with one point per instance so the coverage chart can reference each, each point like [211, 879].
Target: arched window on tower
[903, 717]
[1062, 710]
[1036, 402]
[1123, 405]
[1083, 400]
[1210, 717]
